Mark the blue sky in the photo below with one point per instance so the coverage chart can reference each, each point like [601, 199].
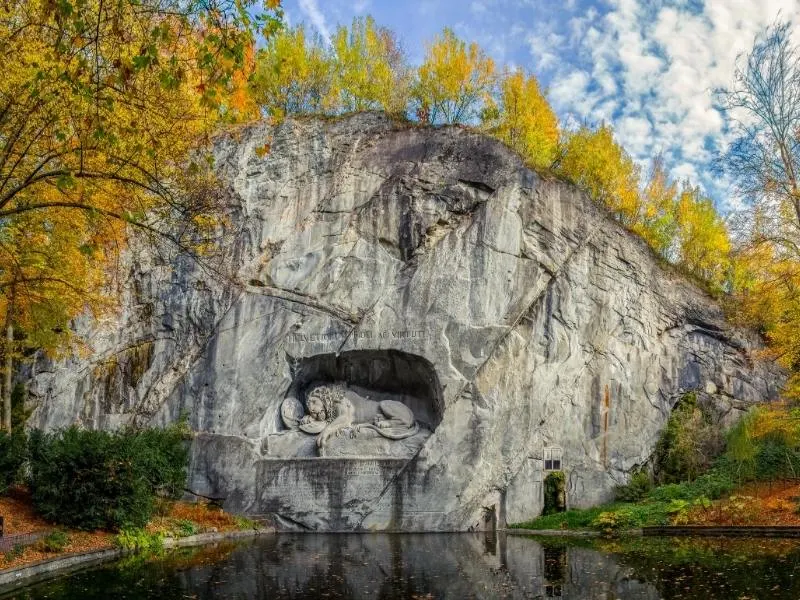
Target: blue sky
[649, 67]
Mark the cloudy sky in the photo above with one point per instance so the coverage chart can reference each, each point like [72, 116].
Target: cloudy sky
[647, 66]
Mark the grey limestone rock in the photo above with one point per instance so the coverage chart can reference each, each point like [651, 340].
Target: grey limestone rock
[425, 266]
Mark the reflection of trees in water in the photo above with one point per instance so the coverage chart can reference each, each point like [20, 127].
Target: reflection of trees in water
[408, 566]
[555, 569]
[715, 569]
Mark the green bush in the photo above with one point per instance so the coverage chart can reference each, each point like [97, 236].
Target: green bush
[16, 551]
[554, 494]
[714, 484]
[636, 489]
[96, 479]
[53, 542]
[689, 443]
[13, 453]
[185, 528]
[612, 523]
[138, 540]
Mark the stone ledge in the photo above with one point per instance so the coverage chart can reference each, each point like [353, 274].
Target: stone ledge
[50, 568]
[46, 569]
[209, 538]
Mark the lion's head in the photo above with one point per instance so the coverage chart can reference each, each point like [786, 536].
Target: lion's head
[322, 401]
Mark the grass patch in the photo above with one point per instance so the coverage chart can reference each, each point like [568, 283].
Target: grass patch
[648, 513]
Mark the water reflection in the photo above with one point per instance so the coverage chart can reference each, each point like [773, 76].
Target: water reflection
[423, 566]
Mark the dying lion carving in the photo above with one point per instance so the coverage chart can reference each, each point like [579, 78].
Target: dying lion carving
[334, 408]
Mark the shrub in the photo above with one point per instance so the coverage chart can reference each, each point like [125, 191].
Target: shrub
[96, 479]
[714, 484]
[612, 523]
[688, 444]
[16, 551]
[636, 489]
[554, 495]
[53, 542]
[244, 524]
[138, 540]
[13, 452]
[185, 528]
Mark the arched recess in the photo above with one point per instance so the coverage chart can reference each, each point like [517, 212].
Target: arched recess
[381, 374]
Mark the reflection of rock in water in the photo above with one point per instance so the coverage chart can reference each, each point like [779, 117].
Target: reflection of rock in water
[411, 565]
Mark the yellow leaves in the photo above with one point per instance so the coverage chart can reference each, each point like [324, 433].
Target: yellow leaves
[100, 106]
[454, 81]
[593, 160]
[524, 120]
[292, 75]
[704, 245]
[767, 291]
[364, 69]
[369, 68]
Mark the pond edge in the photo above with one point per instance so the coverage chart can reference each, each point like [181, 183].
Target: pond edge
[11, 579]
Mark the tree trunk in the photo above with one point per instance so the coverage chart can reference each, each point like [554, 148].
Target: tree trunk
[8, 368]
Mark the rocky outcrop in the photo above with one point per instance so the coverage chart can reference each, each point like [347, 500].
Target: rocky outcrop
[423, 266]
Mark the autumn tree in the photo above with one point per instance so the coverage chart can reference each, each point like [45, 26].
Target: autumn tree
[293, 75]
[763, 106]
[454, 82]
[524, 120]
[703, 242]
[656, 220]
[596, 162]
[764, 158]
[370, 70]
[100, 105]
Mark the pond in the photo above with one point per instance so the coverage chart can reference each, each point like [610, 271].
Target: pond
[457, 566]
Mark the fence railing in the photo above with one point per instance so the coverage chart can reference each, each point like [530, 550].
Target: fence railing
[9, 542]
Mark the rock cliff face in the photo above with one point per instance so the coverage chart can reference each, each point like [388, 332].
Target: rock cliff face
[404, 271]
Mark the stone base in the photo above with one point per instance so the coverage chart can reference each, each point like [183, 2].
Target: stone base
[330, 494]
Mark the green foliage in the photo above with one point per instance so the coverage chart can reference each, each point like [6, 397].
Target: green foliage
[688, 444]
[185, 528]
[96, 479]
[645, 514]
[554, 493]
[636, 489]
[138, 540]
[244, 524]
[714, 484]
[612, 523]
[764, 444]
[19, 415]
[15, 552]
[13, 452]
[53, 542]
[571, 519]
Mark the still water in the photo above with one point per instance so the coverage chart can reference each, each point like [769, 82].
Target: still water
[457, 566]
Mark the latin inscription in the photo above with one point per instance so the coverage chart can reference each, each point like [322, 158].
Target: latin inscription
[340, 335]
[309, 484]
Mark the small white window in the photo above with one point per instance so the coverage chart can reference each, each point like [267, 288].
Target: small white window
[552, 459]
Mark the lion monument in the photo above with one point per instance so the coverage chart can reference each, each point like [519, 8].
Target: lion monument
[335, 409]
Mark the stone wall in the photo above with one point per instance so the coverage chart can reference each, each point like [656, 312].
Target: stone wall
[417, 271]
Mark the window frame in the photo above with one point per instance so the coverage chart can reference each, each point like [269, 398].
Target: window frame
[554, 455]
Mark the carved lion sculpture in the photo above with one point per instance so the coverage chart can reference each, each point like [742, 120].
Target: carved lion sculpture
[334, 408]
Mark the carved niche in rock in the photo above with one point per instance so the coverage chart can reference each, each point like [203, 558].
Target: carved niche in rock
[361, 403]
[335, 410]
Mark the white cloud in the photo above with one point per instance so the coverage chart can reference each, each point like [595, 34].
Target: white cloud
[651, 67]
[314, 14]
[566, 90]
